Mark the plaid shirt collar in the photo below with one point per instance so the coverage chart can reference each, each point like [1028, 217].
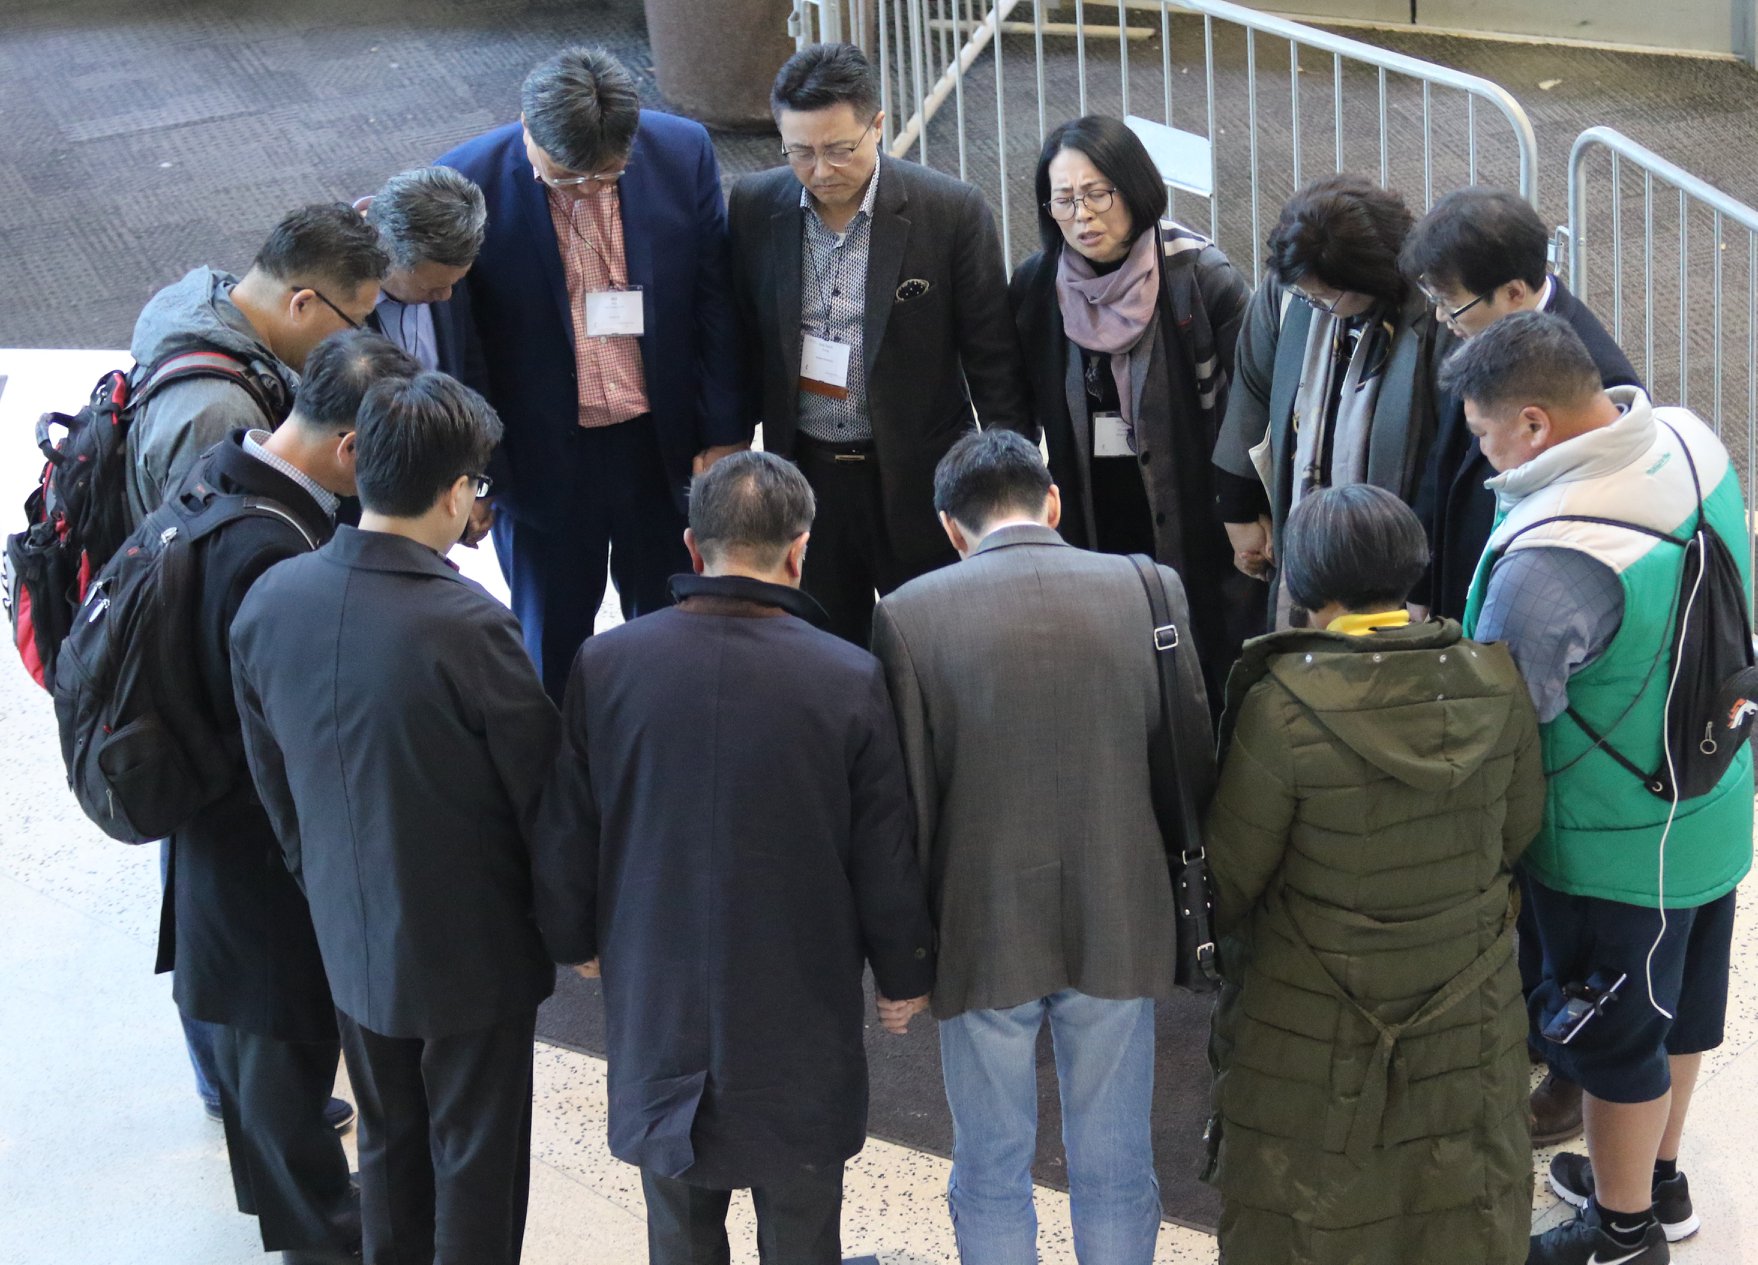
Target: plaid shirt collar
[326, 500]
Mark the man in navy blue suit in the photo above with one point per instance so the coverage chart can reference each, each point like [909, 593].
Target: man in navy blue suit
[598, 321]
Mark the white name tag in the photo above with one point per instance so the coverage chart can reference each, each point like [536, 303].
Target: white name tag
[824, 366]
[1111, 436]
[614, 312]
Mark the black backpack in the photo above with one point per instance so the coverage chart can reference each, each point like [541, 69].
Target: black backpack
[77, 516]
[138, 735]
[1712, 680]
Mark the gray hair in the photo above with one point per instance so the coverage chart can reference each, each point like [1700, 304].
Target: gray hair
[1356, 545]
[1526, 358]
[430, 214]
[754, 503]
[581, 107]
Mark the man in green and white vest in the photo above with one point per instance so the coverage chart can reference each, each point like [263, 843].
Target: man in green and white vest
[1622, 882]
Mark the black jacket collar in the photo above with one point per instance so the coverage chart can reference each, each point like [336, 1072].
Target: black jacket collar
[741, 588]
[383, 551]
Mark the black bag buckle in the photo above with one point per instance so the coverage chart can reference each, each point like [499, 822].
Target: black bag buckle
[1166, 637]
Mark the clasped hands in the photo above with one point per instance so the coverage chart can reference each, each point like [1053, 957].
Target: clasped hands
[895, 1016]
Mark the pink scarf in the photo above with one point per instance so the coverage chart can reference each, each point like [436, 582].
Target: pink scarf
[1110, 313]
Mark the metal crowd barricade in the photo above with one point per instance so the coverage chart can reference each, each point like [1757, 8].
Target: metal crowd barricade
[1007, 65]
[1708, 350]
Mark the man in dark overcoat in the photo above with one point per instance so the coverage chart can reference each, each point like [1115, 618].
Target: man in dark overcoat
[728, 836]
[398, 735]
[234, 925]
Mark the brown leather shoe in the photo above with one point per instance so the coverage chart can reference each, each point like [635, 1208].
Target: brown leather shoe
[1555, 1108]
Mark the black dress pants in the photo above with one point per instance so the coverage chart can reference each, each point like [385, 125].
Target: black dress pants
[445, 1142]
[849, 559]
[620, 509]
[288, 1166]
[798, 1222]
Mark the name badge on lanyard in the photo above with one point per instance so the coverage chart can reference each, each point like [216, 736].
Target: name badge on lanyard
[1112, 436]
[824, 367]
[614, 313]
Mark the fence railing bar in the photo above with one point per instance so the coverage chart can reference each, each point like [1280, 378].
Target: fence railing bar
[1251, 128]
[1294, 105]
[1123, 60]
[1385, 153]
[1617, 183]
[1471, 140]
[1214, 161]
[1684, 301]
[1720, 249]
[1001, 151]
[1080, 48]
[1648, 277]
[1427, 145]
[1038, 39]
[1337, 104]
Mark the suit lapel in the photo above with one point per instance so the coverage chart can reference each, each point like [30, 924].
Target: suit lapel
[533, 201]
[633, 191]
[786, 245]
[891, 234]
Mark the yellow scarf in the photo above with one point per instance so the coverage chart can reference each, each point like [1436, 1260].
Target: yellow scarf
[1362, 625]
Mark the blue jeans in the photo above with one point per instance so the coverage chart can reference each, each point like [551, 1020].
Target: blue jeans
[1105, 1071]
[198, 1036]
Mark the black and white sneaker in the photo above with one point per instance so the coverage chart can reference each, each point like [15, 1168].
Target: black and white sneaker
[1571, 1176]
[1582, 1242]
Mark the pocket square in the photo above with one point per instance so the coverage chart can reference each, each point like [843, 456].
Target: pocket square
[914, 288]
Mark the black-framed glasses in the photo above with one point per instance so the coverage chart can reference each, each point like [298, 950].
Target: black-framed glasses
[483, 484]
[1098, 201]
[804, 156]
[325, 300]
[1440, 305]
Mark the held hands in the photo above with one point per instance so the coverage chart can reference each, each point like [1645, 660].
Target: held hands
[896, 1015]
[1253, 552]
[708, 456]
[586, 970]
[477, 529]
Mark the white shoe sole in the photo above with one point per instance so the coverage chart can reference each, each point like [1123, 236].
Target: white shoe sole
[1674, 1230]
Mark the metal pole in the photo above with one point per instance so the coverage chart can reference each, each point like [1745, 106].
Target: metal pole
[1648, 276]
[1471, 140]
[1617, 182]
[1684, 302]
[1337, 104]
[1123, 57]
[1251, 128]
[1080, 49]
[1427, 148]
[1720, 246]
[885, 70]
[1038, 39]
[1294, 105]
[1385, 159]
[957, 69]
[1001, 153]
[1214, 163]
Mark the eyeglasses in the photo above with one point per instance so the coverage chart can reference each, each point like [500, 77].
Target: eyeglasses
[1330, 309]
[1440, 305]
[574, 182]
[804, 156]
[324, 299]
[1098, 201]
[483, 484]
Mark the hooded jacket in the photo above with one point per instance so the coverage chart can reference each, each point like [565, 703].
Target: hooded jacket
[1369, 1042]
[183, 420]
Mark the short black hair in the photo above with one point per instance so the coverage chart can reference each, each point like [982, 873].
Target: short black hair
[1120, 157]
[820, 76]
[1525, 358]
[340, 371]
[987, 474]
[753, 503]
[326, 243]
[417, 437]
[1356, 545]
[1346, 231]
[1478, 239]
[582, 108]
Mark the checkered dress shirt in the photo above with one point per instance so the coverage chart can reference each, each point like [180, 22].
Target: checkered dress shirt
[833, 305]
[589, 233]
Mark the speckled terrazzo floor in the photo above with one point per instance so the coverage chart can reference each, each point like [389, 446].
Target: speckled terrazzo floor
[106, 1156]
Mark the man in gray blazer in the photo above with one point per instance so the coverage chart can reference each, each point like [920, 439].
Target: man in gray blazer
[1027, 693]
[873, 298]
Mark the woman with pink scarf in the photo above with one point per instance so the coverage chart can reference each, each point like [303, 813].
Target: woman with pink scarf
[1128, 322]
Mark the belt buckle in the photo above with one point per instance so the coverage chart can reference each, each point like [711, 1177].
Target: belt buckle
[848, 457]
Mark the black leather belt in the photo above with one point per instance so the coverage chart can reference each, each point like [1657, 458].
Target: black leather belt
[845, 453]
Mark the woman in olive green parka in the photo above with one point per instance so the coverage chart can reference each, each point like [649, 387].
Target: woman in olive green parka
[1379, 779]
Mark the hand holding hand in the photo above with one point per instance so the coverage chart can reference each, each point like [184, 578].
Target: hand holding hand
[708, 456]
[586, 970]
[481, 521]
[895, 1016]
[1253, 550]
